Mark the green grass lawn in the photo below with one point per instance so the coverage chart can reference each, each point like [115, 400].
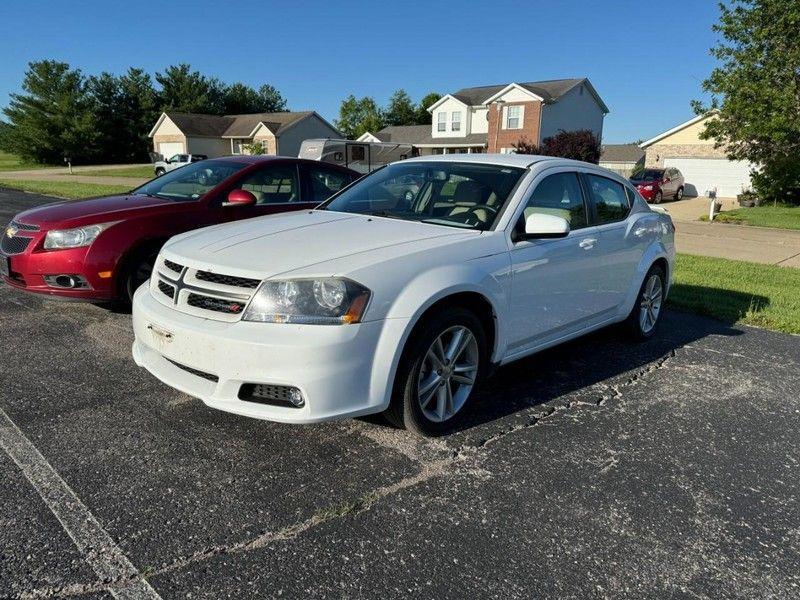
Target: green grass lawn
[782, 217]
[145, 172]
[738, 292]
[65, 189]
[12, 162]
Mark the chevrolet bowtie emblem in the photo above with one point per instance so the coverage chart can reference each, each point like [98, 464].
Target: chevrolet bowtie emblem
[11, 231]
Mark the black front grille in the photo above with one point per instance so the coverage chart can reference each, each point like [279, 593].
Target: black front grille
[265, 393]
[14, 245]
[216, 304]
[173, 266]
[243, 282]
[166, 289]
[195, 372]
[23, 226]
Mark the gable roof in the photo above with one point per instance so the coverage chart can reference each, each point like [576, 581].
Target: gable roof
[549, 91]
[235, 126]
[675, 129]
[621, 153]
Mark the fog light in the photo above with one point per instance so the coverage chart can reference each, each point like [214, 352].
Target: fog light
[295, 397]
[66, 281]
[275, 395]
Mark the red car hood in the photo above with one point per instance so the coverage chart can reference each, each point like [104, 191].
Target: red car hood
[86, 212]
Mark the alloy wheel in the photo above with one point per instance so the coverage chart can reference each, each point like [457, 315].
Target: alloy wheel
[448, 374]
[650, 304]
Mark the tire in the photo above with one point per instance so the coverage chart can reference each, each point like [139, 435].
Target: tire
[136, 271]
[658, 197]
[679, 193]
[441, 405]
[642, 323]
[160, 172]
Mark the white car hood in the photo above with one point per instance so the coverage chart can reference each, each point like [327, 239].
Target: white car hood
[278, 244]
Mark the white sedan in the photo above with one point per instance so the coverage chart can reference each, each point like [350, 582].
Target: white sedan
[395, 300]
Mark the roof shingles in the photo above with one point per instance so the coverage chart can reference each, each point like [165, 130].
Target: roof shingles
[238, 126]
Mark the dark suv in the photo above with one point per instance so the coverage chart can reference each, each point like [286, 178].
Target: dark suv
[656, 184]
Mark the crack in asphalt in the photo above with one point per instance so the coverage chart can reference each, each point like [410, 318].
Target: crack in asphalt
[617, 392]
[450, 460]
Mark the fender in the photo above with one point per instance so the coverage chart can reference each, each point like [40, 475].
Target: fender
[487, 276]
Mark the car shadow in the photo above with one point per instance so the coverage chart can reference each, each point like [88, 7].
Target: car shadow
[727, 306]
[584, 364]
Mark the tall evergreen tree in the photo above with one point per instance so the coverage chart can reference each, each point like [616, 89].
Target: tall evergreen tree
[184, 90]
[401, 109]
[52, 118]
[242, 99]
[423, 117]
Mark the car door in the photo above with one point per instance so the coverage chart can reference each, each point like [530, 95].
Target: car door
[553, 279]
[621, 240]
[276, 188]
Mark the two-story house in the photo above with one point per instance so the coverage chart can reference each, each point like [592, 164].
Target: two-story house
[493, 118]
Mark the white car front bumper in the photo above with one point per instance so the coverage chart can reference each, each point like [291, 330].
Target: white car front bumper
[341, 370]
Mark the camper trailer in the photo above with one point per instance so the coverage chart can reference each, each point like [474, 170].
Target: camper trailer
[362, 157]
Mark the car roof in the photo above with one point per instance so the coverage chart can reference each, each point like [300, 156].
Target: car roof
[253, 159]
[503, 160]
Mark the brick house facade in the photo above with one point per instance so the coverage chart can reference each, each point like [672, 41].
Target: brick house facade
[493, 118]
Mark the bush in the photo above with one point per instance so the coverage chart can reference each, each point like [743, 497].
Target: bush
[577, 145]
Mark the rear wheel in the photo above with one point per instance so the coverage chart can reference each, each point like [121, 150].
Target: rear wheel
[679, 193]
[646, 314]
[441, 364]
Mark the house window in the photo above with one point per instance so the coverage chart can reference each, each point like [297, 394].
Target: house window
[513, 117]
[237, 146]
[442, 121]
[456, 121]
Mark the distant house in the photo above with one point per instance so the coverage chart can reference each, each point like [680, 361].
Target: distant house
[278, 133]
[703, 165]
[493, 118]
[621, 158]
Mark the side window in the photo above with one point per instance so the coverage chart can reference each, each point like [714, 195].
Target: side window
[183, 158]
[275, 184]
[325, 182]
[609, 199]
[559, 195]
[631, 195]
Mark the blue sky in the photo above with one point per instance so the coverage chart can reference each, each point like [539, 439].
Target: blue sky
[646, 59]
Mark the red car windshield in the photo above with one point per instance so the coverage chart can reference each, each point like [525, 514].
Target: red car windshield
[648, 175]
[190, 182]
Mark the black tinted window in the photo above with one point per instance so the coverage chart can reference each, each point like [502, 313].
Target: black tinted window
[608, 197]
[559, 195]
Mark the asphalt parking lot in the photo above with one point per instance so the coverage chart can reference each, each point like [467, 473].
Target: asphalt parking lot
[598, 469]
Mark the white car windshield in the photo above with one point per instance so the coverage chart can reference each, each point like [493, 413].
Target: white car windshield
[465, 195]
[190, 182]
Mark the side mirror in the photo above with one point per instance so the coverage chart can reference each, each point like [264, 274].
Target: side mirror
[240, 198]
[542, 226]
[666, 179]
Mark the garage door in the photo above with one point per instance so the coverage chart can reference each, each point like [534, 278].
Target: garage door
[169, 149]
[704, 174]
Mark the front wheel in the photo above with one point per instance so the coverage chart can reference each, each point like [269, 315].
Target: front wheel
[160, 172]
[138, 270]
[658, 197]
[646, 314]
[440, 366]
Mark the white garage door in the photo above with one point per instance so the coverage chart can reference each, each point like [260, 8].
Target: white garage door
[703, 174]
[169, 149]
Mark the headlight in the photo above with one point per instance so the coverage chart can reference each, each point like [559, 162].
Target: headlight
[74, 238]
[328, 301]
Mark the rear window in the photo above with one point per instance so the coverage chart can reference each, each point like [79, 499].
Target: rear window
[648, 175]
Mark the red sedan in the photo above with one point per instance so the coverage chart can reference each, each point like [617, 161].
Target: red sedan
[102, 249]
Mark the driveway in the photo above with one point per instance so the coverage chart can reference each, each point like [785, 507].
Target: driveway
[603, 469]
[62, 174]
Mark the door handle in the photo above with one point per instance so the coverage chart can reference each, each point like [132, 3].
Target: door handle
[587, 243]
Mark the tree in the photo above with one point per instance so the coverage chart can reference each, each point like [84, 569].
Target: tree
[52, 118]
[756, 93]
[401, 110]
[184, 90]
[577, 145]
[138, 107]
[357, 116]
[423, 116]
[242, 99]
